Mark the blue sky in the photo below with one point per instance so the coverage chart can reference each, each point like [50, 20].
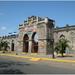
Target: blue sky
[12, 13]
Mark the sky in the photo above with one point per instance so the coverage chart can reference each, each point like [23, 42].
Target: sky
[13, 13]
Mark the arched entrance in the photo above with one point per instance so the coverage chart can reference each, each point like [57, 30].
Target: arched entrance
[25, 43]
[34, 43]
[12, 45]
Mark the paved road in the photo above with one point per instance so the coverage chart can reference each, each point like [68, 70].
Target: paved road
[10, 65]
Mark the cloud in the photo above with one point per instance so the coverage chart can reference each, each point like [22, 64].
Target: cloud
[3, 28]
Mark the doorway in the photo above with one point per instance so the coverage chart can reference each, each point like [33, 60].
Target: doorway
[34, 43]
[12, 45]
[25, 43]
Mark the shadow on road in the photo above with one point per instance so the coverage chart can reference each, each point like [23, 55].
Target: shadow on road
[65, 56]
[11, 71]
[5, 67]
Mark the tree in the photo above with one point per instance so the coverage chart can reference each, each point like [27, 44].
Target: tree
[61, 45]
[1, 44]
[5, 45]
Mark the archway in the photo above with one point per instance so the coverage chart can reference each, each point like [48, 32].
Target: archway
[25, 43]
[34, 43]
[62, 36]
[12, 45]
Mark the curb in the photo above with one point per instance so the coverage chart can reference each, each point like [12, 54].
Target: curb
[38, 59]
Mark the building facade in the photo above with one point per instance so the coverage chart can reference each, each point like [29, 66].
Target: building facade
[69, 34]
[34, 35]
[38, 35]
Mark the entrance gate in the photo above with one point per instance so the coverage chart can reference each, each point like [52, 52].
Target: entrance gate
[25, 43]
[34, 44]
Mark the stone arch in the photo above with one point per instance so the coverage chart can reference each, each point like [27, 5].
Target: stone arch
[34, 48]
[25, 43]
[12, 45]
[62, 36]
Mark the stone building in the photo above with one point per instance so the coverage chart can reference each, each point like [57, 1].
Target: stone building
[69, 34]
[35, 35]
[12, 39]
[38, 35]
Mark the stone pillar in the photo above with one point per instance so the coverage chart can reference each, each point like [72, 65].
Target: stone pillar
[20, 47]
[29, 50]
[42, 43]
[42, 47]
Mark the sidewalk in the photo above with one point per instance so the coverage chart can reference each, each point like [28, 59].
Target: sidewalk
[36, 57]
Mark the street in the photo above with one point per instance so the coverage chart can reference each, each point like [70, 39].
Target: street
[11, 65]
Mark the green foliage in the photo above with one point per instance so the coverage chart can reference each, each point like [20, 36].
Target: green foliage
[61, 45]
[4, 45]
[1, 44]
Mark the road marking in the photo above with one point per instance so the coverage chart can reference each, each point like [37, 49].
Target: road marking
[38, 59]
